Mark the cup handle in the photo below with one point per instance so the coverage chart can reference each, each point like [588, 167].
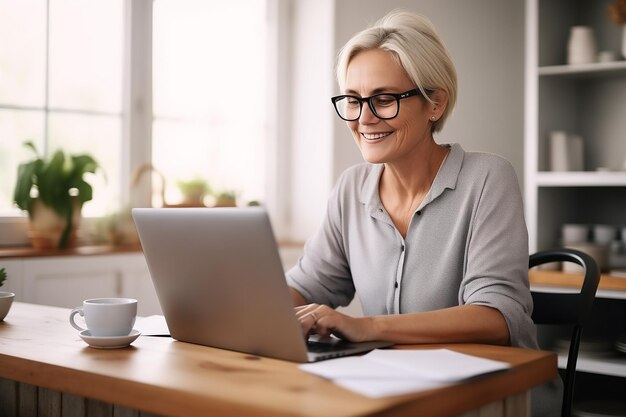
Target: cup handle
[77, 310]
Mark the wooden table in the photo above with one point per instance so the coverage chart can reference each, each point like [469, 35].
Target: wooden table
[43, 358]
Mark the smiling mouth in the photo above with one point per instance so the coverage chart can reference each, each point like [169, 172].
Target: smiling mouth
[375, 136]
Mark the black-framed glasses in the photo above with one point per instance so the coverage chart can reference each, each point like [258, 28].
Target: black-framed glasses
[384, 106]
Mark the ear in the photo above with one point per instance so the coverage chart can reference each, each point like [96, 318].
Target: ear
[440, 100]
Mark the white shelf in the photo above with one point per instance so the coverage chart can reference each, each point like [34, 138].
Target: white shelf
[581, 179]
[611, 364]
[608, 294]
[584, 70]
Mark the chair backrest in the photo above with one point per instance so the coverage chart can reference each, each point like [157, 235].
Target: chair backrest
[566, 308]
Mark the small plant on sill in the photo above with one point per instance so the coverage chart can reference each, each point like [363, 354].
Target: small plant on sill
[226, 198]
[194, 191]
[3, 276]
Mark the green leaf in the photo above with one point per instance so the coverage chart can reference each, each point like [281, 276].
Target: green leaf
[29, 144]
[26, 173]
[85, 191]
[3, 276]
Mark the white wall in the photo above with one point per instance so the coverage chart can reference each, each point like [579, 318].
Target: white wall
[486, 41]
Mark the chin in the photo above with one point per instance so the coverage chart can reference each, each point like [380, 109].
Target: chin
[373, 157]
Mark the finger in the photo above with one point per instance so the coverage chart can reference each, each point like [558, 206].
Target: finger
[308, 323]
[316, 312]
[306, 310]
[305, 307]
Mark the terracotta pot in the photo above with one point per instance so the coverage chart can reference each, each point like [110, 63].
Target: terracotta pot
[46, 226]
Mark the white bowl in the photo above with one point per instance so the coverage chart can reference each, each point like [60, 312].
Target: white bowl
[6, 299]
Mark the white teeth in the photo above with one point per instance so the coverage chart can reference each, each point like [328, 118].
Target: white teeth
[372, 136]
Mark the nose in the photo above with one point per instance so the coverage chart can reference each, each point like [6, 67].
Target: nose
[367, 116]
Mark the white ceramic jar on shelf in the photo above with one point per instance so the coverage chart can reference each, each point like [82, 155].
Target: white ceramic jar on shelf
[581, 46]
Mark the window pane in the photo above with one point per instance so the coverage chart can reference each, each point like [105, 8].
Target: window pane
[227, 160]
[99, 136]
[22, 52]
[209, 95]
[86, 54]
[16, 127]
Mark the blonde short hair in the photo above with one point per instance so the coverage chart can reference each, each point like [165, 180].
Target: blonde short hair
[415, 44]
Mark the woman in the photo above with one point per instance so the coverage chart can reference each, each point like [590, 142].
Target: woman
[432, 239]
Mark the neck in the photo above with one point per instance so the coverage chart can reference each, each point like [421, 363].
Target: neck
[414, 176]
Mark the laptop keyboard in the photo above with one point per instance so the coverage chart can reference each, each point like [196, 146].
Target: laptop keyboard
[322, 347]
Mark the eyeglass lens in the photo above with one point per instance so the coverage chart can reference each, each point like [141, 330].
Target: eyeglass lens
[383, 106]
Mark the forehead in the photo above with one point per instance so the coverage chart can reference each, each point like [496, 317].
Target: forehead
[374, 69]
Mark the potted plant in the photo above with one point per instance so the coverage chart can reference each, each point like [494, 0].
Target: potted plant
[617, 14]
[194, 191]
[61, 191]
[226, 199]
[6, 298]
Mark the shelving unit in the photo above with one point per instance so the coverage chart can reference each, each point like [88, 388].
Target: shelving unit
[587, 100]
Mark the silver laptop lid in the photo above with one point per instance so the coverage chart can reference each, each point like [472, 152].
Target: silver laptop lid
[219, 279]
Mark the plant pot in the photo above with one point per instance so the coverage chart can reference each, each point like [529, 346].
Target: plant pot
[6, 299]
[46, 226]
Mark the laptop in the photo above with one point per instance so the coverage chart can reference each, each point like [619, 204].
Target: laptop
[220, 282]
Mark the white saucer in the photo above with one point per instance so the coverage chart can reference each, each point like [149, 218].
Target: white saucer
[112, 342]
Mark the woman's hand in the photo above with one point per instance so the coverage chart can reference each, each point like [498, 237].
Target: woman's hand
[325, 321]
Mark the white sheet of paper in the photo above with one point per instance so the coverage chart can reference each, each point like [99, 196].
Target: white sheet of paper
[393, 372]
[152, 326]
[437, 364]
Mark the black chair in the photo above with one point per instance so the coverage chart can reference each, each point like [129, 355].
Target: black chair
[570, 309]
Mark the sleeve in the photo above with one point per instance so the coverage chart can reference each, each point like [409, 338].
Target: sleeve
[496, 272]
[322, 274]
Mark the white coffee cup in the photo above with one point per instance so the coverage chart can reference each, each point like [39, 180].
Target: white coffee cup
[574, 233]
[106, 317]
[603, 234]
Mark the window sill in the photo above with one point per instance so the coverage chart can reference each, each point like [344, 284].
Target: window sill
[93, 250]
[29, 252]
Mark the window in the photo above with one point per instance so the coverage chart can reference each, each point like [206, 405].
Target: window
[209, 97]
[61, 87]
[67, 82]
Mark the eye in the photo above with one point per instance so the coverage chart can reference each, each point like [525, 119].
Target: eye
[384, 101]
[352, 101]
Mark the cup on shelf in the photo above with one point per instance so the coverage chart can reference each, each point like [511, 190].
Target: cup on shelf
[559, 155]
[574, 233]
[603, 234]
[566, 151]
[575, 151]
[607, 56]
[581, 45]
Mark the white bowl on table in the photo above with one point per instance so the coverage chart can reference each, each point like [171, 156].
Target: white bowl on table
[6, 299]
